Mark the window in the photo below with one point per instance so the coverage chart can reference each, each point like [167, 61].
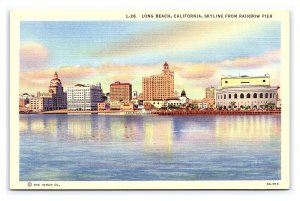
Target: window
[226, 82]
[261, 95]
[264, 80]
[270, 95]
[242, 95]
[224, 96]
[248, 95]
[255, 95]
[235, 96]
[229, 96]
[266, 95]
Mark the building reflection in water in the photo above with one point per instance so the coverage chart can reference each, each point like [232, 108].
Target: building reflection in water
[52, 126]
[24, 124]
[117, 128]
[248, 128]
[80, 126]
[194, 130]
[31, 124]
[158, 135]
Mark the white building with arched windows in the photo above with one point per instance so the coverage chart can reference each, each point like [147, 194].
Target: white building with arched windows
[246, 92]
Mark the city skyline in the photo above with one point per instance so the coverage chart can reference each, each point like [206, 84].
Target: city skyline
[199, 53]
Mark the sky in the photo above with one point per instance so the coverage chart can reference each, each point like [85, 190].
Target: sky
[199, 52]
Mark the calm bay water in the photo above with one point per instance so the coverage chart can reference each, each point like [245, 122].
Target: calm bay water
[97, 148]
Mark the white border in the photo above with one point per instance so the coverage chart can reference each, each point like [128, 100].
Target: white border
[292, 5]
[18, 16]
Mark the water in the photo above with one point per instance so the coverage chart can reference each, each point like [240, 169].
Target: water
[142, 148]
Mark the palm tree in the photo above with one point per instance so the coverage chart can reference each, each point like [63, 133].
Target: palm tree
[270, 105]
[232, 104]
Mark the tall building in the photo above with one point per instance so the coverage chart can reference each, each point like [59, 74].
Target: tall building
[210, 92]
[159, 87]
[121, 92]
[84, 97]
[54, 99]
[56, 91]
[246, 92]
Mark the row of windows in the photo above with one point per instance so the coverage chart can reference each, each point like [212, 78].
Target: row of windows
[242, 106]
[220, 103]
[255, 95]
[174, 103]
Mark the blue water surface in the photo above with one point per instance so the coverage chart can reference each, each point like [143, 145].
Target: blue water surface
[60, 147]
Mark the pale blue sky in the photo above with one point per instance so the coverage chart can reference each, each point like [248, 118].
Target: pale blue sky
[108, 51]
[74, 43]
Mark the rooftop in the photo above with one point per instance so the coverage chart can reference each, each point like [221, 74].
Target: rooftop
[244, 76]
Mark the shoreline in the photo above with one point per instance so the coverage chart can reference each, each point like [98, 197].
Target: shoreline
[164, 112]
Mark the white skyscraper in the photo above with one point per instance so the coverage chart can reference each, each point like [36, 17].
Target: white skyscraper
[84, 97]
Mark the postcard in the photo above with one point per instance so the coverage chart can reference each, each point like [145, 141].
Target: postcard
[132, 99]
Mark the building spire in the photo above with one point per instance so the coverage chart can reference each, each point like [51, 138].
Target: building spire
[55, 75]
[166, 66]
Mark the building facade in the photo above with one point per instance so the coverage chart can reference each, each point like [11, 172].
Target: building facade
[159, 87]
[24, 99]
[210, 92]
[121, 92]
[54, 99]
[41, 104]
[183, 98]
[135, 95]
[84, 97]
[103, 106]
[206, 103]
[246, 92]
[56, 91]
[155, 104]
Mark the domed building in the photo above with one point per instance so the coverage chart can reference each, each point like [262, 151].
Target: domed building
[55, 99]
[183, 98]
[56, 91]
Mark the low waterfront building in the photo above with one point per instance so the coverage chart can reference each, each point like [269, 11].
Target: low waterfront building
[115, 105]
[41, 104]
[126, 107]
[84, 97]
[173, 102]
[158, 104]
[135, 102]
[24, 100]
[202, 105]
[193, 103]
[245, 92]
[206, 103]
[103, 106]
